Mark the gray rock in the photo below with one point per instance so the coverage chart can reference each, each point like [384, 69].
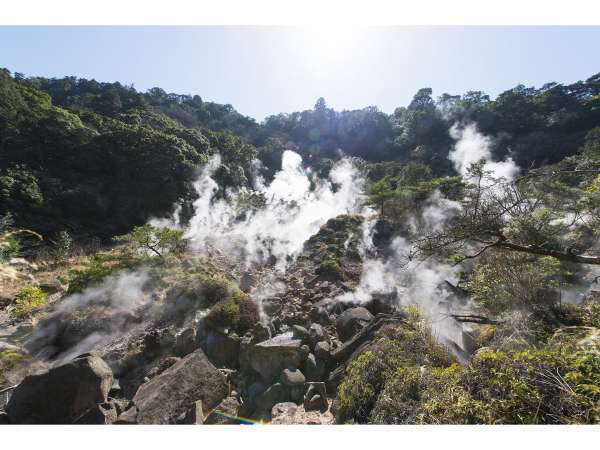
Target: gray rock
[223, 413]
[223, 350]
[128, 417]
[352, 321]
[316, 397]
[292, 377]
[194, 415]
[276, 393]
[314, 368]
[322, 350]
[63, 394]
[300, 332]
[164, 398]
[270, 357]
[102, 414]
[261, 332]
[318, 314]
[317, 333]
[185, 342]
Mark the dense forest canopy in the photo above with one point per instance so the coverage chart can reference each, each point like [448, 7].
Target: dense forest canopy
[98, 158]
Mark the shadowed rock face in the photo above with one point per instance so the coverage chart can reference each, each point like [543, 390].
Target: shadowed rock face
[63, 394]
[270, 357]
[169, 395]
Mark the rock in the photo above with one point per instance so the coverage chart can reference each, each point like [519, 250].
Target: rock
[115, 389]
[157, 341]
[223, 349]
[291, 414]
[315, 403]
[319, 315]
[128, 417]
[314, 368]
[121, 405]
[194, 415]
[316, 397]
[352, 321]
[276, 393]
[300, 333]
[63, 394]
[283, 409]
[270, 357]
[224, 413]
[322, 350]
[102, 414]
[317, 333]
[292, 377]
[164, 398]
[52, 287]
[185, 342]
[261, 332]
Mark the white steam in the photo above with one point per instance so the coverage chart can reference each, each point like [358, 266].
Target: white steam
[472, 147]
[297, 204]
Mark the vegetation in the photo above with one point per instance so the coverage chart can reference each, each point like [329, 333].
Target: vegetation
[159, 241]
[238, 312]
[28, 301]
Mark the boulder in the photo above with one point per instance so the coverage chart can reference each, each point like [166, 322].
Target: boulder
[223, 350]
[317, 333]
[164, 398]
[314, 368]
[194, 415]
[276, 393]
[352, 321]
[292, 377]
[322, 350]
[261, 332]
[63, 394]
[128, 417]
[316, 397]
[102, 414]
[270, 357]
[224, 413]
[185, 342]
[300, 333]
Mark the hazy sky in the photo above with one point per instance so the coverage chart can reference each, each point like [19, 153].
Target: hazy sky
[267, 70]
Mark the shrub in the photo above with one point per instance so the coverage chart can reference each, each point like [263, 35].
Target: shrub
[95, 273]
[330, 268]
[238, 312]
[8, 360]
[28, 301]
[395, 350]
[215, 288]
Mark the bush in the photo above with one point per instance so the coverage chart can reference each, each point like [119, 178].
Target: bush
[395, 350]
[544, 386]
[28, 301]
[94, 274]
[215, 288]
[8, 360]
[331, 269]
[238, 312]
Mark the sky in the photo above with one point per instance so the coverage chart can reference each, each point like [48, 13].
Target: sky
[268, 70]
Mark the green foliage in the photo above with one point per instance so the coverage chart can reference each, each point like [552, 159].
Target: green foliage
[238, 312]
[93, 274]
[63, 246]
[395, 352]
[159, 241]
[507, 280]
[8, 360]
[28, 301]
[330, 269]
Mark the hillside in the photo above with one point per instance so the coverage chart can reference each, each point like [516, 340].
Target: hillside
[164, 259]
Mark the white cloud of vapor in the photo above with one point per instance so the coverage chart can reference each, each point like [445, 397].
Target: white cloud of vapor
[471, 147]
